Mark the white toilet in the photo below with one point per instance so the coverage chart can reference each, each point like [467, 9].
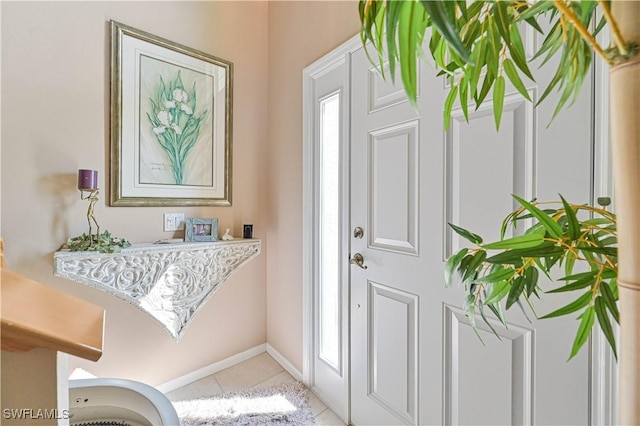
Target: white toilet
[118, 402]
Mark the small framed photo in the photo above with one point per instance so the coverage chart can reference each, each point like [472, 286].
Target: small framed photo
[200, 229]
[247, 231]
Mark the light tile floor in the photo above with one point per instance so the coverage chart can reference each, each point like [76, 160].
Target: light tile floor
[259, 371]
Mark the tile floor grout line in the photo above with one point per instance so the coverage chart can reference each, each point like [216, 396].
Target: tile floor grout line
[218, 383]
[318, 415]
[269, 378]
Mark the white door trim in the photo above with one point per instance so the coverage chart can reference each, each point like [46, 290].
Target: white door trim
[335, 58]
[604, 368]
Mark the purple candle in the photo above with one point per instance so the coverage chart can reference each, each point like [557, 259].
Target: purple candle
[87, 179]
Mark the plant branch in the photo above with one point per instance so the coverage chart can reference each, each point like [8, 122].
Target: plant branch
[615, 31]
[579, 26]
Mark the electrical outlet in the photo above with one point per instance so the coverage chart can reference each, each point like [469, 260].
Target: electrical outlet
[173, 222]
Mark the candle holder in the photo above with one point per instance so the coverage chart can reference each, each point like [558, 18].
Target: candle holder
[88, 184]
[105, 242]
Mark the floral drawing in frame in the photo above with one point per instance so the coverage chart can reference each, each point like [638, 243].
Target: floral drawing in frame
[171, 109]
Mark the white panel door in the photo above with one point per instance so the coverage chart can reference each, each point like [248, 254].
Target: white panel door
[414, 357]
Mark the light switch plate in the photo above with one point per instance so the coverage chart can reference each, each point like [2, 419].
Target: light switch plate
[173, 222]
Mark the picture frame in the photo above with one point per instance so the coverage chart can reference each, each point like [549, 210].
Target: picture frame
[201, 229]
[171, 122]
[247, 231]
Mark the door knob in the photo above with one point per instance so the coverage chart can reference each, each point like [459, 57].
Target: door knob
[358, 260]
[358, 232]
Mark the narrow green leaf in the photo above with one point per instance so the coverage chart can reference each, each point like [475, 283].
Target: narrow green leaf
[452, 263]
[597, 221]
[553, 83]
[391, 20]
[584, 330]
[519, 242]
[514, 257]
[408, 22]
[579, 303]
[484, 318]
[613, 285]
[523, 311]
[441, 20]
[532, 21]
[510, 69]
[498, 100]
[501, 13]
[605, 324]
[580, 284]
[536, 9]
[518, 54]
[554, 36]
[486, 86]
[531, 280]
[569, 263]
[610, 301]
[470, 236]
[607, 251]
[470, 312]
[499, 275]
[472, 33]
[578, 276]
[463, 99]
[495, 47]
[609, 241]
[478, 64]
[448, 105]
[496, 308]
[474, 264]
[543, 269]
[550, 225]
[517, 286]
[498, 291]
[462, 6]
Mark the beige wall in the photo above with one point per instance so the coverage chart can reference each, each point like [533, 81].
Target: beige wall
[55, 119]
[29, 382]
[299, 34]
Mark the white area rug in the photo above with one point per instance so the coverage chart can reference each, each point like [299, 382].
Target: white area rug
[279, 405]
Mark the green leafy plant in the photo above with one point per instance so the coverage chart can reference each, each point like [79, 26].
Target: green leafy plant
[504, 273]
[479, 45]
[104, 243]
[175, 122]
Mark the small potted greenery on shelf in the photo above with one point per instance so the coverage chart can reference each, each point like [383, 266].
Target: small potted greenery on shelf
[103, 243]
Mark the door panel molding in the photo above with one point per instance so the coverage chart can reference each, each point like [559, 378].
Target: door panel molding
[521, 115]
[389, 191]
[384, 94]
[522, 356]
[391, 308]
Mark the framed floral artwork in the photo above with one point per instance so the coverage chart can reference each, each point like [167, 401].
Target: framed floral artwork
[171, 121]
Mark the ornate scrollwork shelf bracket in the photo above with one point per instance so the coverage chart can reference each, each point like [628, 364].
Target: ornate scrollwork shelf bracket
[170, 282]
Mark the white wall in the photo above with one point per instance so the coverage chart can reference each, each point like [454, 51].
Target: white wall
[55, 120]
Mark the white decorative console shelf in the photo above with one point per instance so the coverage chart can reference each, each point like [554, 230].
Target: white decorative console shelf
[170, 282]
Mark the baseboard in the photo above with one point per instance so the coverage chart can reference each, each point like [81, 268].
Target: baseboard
[213, 368]
[277, 356]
